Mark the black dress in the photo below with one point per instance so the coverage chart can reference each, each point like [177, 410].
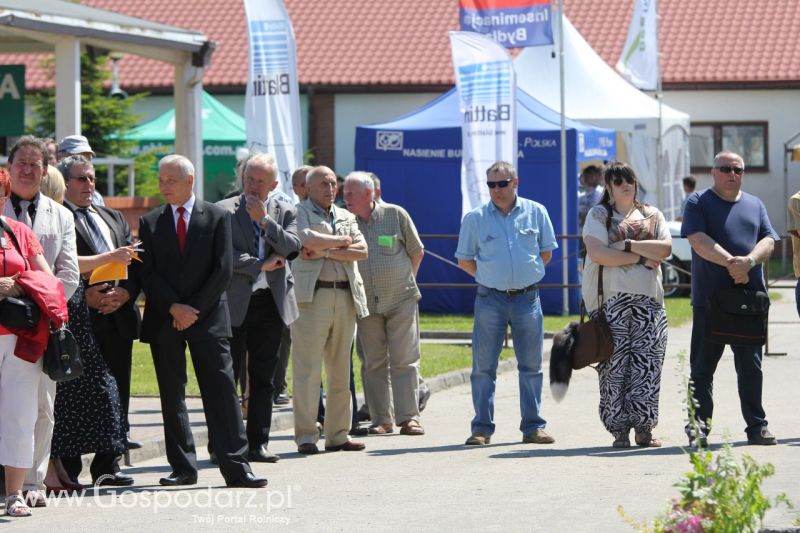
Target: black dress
[87, 409]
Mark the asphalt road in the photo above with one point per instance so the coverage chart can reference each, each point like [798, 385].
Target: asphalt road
[433, 482]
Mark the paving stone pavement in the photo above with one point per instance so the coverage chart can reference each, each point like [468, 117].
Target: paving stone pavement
[434, 482]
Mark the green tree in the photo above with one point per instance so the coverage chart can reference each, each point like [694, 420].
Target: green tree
[105, 121]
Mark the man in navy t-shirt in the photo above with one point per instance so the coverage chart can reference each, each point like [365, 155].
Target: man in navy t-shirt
[731, 236]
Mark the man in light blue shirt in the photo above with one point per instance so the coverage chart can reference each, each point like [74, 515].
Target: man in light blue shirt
[506, 245]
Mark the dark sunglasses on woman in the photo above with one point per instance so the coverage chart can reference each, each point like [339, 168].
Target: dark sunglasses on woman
[617, 180]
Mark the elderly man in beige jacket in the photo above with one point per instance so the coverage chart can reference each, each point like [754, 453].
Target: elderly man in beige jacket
[330, 295]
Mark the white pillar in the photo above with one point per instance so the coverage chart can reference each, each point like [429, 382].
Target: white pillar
[189, 119]
[68, 87]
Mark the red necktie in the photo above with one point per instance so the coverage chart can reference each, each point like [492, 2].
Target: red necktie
[181, 229]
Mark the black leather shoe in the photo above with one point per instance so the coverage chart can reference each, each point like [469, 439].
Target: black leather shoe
[281, 399]
[134, 444]
[356, 431]
[762, 437]
[362, 415]
[424, 396]
[262, 455]
[308, 448]
[175, 479]
[249, 481]
[117, 479]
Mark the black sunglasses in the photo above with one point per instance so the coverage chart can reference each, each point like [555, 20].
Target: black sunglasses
[502, 184]
[727, 169]
[617, 180]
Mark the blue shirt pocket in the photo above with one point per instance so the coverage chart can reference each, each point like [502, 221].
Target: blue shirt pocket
[529, 239]
[489, 245]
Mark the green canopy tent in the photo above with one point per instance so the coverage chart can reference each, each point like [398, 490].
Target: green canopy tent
[223, 133]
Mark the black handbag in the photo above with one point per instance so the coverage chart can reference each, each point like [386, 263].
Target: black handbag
[62, 358]
[20, 313]
[737, 316]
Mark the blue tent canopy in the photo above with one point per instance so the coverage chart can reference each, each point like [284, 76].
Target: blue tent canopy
[418, 159]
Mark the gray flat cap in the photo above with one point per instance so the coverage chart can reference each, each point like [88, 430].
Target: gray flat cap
[75, 144]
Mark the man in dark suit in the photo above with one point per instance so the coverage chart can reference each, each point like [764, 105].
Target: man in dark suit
[188, 264]
[114, 315]
[261, 296]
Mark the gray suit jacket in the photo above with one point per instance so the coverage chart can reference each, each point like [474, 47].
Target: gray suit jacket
[281, 238]
[54, 226]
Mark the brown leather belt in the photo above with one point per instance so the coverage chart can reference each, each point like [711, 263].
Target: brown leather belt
[333, 285]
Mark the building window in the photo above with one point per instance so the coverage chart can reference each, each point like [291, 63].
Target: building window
[746, 138]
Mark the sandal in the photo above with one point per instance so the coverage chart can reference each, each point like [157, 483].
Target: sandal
[16, 507]
[411, 427]
[34, 498]
[645, 440]
[622, 440]
[381, 429]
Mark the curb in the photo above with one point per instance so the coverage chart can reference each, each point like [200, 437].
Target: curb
[154, 448]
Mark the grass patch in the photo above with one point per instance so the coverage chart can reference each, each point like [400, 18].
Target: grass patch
[464, 322]
[679, 310]
[777, 270]
[436, 359]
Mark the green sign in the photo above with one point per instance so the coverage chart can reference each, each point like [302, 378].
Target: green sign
[12, 100]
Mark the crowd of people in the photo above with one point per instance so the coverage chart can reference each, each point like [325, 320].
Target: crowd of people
[250, 280]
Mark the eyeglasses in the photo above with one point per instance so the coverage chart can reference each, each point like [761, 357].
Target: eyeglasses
[86, 178]
[502, 183]
[617, 180]
[727, 169]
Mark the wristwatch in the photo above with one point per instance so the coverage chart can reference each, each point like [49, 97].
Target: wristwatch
[627, 245]
[263, 221]
[752, 261]
[642, 260]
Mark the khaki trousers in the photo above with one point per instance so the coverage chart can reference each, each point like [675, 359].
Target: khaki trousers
[391, 349]
[323, 332]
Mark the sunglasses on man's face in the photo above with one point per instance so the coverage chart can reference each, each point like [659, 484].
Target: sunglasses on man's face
[502, 184]
[727, 169]
[617, 180]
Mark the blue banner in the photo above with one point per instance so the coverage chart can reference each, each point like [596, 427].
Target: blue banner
[510, 23]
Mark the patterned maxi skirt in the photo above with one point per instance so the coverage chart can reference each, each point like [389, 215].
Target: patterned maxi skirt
[630, 380]
[87, 409]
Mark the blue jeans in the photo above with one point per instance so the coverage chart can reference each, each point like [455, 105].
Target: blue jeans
[494, 310]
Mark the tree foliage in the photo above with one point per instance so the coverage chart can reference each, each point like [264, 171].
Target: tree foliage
[105, 120]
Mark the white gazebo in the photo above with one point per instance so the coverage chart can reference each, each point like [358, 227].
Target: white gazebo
[63, 27]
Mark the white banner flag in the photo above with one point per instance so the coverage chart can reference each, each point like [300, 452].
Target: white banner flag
[639, 60]
[487, 88]
[272, 102]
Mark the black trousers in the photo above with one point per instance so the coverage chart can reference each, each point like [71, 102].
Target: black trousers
[102, 463]
[259, 337]
[118, 354]
[283, 361]
[704, 357]
[213, 368]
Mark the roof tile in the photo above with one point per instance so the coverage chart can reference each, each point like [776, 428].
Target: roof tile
[380, 43]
